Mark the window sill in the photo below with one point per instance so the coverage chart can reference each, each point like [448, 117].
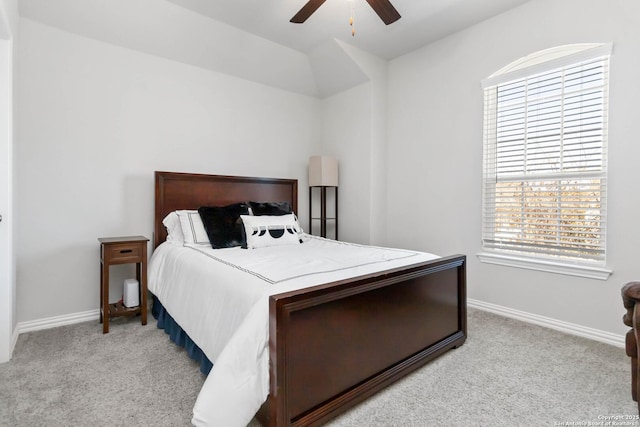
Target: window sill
[590, 272]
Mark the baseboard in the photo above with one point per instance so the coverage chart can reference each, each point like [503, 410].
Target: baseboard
[566, 327]
[558, 325]
[54, 322]
[14, 340]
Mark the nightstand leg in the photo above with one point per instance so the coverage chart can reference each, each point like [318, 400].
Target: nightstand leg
[141, 275]
[101, 286]
[105, 298]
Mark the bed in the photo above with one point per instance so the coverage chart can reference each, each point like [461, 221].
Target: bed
[331, 345]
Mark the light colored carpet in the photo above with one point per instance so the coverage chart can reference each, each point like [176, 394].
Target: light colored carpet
[507, 373]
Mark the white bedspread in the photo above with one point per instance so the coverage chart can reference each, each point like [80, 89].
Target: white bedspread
[220, 298]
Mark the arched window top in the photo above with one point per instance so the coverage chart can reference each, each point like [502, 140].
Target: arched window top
[547, 59]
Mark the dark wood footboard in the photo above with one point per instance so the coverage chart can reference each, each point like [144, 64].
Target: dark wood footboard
[334, 345]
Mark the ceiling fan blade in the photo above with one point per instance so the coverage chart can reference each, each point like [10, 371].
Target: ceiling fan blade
[306, 11]
[385, 10]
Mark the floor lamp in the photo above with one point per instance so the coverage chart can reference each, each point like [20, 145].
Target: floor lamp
[323, 174]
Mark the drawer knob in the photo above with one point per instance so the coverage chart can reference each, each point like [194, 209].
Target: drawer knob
[126, 251]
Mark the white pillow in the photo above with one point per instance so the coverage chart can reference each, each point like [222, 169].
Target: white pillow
[174, 229]
[266, 230]
[192, 227]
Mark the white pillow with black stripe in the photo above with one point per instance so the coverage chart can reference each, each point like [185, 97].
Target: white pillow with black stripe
[192, 227]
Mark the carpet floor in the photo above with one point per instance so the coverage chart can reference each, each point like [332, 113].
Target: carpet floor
[508, 373]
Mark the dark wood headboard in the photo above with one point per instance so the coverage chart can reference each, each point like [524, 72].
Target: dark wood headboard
[176, 190]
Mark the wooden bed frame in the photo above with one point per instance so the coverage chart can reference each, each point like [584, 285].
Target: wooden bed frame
[334, 345]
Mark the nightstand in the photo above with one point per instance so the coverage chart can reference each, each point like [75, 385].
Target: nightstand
[122, 250]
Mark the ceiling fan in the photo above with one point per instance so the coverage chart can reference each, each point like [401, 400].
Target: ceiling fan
[383, 8]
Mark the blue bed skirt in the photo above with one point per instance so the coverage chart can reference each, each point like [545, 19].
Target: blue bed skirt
[179, 336]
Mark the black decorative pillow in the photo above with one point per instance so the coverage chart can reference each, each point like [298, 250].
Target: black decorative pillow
[270, 208]
[223, 224]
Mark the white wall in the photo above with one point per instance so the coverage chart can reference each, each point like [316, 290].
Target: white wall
[8, 31]
[346, 135]
[435, 153]
[95, 120]
[354, 131]
[376, 70]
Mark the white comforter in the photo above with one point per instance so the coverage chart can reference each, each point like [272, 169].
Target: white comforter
[220, 298]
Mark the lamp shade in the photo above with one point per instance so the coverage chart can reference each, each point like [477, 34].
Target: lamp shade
[323, 171]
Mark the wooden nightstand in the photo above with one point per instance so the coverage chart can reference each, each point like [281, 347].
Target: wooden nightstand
[122, 250]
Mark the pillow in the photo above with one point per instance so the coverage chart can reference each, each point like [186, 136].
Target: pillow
[267, 230]
[174, 230]
[223, 225]
[192, 227]
[270, 208]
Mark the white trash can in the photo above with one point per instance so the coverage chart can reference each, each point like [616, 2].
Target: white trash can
[131, 296]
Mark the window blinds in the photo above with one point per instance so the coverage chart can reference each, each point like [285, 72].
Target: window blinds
[544, 190]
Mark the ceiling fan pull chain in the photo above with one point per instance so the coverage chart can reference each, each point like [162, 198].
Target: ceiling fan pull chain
[351, 21]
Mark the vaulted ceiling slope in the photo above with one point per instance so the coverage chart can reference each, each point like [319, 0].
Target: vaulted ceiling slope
[254, 40]
[422, 22]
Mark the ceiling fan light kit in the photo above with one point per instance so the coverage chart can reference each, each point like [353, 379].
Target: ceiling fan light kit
[383, 8]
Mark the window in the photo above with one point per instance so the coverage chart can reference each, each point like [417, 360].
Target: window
[545, 159]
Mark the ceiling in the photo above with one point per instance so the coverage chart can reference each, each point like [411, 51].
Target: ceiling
[254, 40]
[422, 22]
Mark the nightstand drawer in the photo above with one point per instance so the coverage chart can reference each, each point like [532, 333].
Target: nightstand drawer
[126, 252]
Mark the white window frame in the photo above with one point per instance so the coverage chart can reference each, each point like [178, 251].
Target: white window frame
[495, 251]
